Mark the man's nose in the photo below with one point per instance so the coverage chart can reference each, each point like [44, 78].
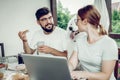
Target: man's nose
[48, 20]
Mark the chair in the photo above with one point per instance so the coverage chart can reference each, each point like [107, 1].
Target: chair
[116, 65]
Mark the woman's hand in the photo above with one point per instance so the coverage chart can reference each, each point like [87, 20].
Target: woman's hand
[76, 75]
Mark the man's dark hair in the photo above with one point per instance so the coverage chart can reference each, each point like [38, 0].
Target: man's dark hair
[41, 12]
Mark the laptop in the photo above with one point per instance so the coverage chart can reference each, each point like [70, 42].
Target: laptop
[46, 67]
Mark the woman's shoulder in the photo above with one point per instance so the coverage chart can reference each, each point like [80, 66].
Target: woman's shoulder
[109, 41]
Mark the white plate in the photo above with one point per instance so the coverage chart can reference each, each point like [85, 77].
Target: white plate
[16, 67]
[10, 76]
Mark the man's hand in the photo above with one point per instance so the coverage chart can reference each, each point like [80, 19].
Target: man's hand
[50, 50]
[45, 49]
[22, 35]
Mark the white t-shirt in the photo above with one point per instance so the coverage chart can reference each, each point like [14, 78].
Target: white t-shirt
[56, 40]
[92, 55]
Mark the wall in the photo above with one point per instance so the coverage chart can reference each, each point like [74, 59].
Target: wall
[17, 15]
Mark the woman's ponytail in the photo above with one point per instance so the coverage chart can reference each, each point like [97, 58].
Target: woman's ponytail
[102, 31]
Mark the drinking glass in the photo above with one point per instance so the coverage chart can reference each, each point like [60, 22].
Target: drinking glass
[40, 43]
[3, 67]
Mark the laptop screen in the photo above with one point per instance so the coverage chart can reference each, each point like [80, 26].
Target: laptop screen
[46, 67]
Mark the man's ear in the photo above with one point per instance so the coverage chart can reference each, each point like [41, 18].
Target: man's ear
[85, 21]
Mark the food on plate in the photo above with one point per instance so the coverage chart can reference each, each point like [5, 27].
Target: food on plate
[20, 76]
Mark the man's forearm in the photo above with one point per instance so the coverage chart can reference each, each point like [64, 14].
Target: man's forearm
[58, 53]
[27, 49]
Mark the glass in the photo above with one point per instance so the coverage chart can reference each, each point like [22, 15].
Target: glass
[3, 67]
[2, 70]
[76, 20]
[40, 43]
[45, 19]
[1, 74]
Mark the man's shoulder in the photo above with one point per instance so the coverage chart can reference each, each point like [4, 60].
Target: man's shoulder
[38, 31]
[60, 29]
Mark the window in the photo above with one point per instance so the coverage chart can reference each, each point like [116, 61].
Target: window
[115, 28]
[112, 33]
[65, 12]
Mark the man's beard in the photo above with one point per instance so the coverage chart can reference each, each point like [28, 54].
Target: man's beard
[48, 30]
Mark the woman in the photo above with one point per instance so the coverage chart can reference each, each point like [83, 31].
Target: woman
[96, 51]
